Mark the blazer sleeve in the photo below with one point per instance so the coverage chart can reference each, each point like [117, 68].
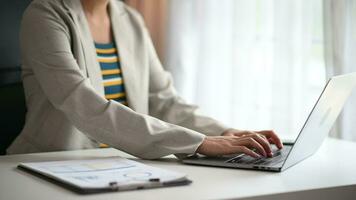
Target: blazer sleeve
[46, 49]
[167, 105]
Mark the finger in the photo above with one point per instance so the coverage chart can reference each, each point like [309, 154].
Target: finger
[271, 141]
[271, 134]
[247, 151]
[252, 143]
[264, 142]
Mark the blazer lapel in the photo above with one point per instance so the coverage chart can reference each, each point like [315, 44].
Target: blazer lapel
[124, 45]
[87, 41]
[122, 39]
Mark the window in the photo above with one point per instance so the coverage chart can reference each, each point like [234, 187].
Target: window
[252, 64]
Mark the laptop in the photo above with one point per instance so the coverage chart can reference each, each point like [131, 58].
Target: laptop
[314, 131]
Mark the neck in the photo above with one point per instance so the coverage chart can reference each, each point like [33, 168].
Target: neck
[95, 7]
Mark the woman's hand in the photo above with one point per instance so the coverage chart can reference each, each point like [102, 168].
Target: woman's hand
[270, 135]
[236, 141]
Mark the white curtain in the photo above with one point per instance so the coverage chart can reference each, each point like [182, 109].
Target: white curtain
[340, 54]
[252, 64]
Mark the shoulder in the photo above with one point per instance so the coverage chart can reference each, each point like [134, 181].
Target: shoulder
[46, 12]
[40, 11]
[45, 5]
[41, 20]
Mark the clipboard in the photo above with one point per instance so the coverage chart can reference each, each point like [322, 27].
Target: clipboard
[104, 175]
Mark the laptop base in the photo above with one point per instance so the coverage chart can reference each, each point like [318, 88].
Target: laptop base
[242, 161]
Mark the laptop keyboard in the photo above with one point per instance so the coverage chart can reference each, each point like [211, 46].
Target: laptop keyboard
[278, 157]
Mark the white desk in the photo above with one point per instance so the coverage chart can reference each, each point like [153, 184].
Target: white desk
[329, 174]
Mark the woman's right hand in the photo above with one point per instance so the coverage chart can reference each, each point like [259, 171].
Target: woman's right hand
[225, 145]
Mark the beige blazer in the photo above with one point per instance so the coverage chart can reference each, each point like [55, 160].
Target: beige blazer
[65, 96]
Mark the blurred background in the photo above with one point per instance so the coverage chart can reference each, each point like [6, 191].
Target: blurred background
[256, 64]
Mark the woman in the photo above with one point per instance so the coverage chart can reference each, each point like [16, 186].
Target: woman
[92, 77]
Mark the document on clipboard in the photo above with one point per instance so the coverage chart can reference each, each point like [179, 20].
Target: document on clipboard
[106, 174]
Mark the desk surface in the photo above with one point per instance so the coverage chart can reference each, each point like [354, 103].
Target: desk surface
[330, 167]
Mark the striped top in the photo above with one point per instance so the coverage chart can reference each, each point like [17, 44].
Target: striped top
[111, 71]
[112, 75]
